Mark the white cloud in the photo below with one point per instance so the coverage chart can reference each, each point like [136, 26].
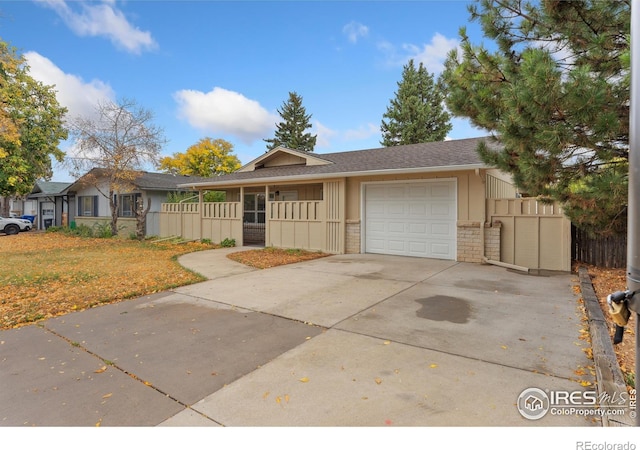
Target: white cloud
[431, 55]
[363, 132]
[354, 31]
[324, 135]
[73, 92]
[228, 112]
[103, 19]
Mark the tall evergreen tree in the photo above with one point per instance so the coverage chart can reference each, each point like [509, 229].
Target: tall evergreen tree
[555, 93]
[417, 113]
[290, 133]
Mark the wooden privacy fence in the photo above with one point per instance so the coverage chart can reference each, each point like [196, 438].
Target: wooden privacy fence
[533, 234]
[601, 251]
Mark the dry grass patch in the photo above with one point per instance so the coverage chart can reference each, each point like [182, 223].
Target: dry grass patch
[272, 257]
[45, 275]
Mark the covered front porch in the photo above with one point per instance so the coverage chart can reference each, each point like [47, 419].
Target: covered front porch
[308, 216]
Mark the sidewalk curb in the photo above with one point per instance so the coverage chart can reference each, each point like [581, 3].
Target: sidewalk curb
[609, 378]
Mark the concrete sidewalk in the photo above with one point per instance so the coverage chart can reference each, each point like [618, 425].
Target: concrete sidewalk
[347, 340]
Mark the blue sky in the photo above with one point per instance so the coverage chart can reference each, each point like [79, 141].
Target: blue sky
[221, 69]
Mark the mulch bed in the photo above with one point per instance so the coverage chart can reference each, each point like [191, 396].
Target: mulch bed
[606, 281]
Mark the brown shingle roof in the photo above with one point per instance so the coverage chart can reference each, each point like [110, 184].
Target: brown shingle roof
[428, 156]
[149, 181]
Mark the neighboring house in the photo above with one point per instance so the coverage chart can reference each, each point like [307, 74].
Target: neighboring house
[433, 200]
[93, 207]
[49, 204]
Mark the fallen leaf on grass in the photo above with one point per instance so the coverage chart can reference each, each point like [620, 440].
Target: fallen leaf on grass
[304, 380]
[100, 370]
[433, 366]
[81, 273]
[378, 380]
[107, 395]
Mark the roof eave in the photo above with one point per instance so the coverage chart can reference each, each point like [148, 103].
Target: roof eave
[331, 175]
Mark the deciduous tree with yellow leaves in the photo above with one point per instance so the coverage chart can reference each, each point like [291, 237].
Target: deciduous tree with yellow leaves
[31, 125]
[208, 158]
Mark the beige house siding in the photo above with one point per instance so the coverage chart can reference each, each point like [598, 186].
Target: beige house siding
[126, 226]
[499, 185]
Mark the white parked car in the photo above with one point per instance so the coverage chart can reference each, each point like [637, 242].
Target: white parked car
[14, 225]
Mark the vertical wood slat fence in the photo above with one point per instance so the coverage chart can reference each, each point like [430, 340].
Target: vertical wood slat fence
[609, 252]
[533, 234]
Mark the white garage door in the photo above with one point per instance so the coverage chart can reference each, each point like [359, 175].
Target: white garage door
[411, 219]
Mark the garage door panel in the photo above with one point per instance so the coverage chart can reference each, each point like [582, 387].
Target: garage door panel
[441, 191]
[440, 249]
[418, 209]
[396, 245]
[412, 219]
[395, 192]
[417, 228]
[419, 248]
[440, 230]
[376, 226]
[396, 209]
[375, 209]
[441, 210]
[418, 191]
[396, 227]
[375, 192]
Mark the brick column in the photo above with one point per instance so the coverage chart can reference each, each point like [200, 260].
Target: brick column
[470, 242]
[353, 236]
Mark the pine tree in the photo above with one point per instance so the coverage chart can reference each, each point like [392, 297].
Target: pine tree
[555, 93]
[290, 133]
[417, 113]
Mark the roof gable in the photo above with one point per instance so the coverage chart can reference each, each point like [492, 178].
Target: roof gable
[44, 188]
[281, 156]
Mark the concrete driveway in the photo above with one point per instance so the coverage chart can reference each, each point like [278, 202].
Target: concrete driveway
[348, 340]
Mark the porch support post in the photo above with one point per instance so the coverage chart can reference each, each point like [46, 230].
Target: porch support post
[242, 215]
[266, 214]
[201, 212]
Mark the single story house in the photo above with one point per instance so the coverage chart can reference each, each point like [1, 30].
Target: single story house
[48, 204]
[433, 200]
[93, 207]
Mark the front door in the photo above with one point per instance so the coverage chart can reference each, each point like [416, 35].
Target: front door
[254, 219]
